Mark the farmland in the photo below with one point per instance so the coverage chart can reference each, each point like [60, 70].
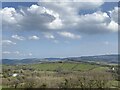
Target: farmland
[60, 75]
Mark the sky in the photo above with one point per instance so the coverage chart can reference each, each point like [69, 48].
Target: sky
[59, 29]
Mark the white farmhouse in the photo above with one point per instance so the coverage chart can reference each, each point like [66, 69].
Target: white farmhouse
[15, 74]
[113, 68]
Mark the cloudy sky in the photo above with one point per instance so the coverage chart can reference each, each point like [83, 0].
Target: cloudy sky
[59, 29]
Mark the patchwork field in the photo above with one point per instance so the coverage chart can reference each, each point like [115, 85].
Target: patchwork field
[60, 75]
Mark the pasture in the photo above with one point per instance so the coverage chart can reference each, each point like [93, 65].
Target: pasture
[59, 75]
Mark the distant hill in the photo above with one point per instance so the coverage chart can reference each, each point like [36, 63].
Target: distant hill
[29, 61]
[54, 59]
[98, 58]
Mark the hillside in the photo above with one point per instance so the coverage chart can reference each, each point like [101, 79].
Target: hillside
[59, 75]
[109, 59]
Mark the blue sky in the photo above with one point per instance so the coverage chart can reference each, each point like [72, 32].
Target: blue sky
[40, 29]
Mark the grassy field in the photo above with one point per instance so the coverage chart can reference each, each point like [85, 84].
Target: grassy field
[59, 75]
[63, 66]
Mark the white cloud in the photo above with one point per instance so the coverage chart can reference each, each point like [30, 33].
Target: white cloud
[113, 26]
[16, 52]
[30, 54]
[68, 10]
[22, 19]
[69, 35]
[114, 14]
[46, 16]
[69, 3]
[17, 37]
[95, 23]
[6, 52]
[97, 17]
[98, 22]
[60, 15]
[9, 15]
[49, 36]
[7, 42]
[34, 37]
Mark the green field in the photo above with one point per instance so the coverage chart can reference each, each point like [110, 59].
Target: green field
[60, 75]
[64, 66]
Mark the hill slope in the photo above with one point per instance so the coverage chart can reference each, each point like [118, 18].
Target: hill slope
[100, 58]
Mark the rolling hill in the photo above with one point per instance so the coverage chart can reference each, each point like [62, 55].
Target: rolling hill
[98, 58]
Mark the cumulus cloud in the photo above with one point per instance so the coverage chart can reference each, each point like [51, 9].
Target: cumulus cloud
[10, 15]
[49, 15]
[8, 42]
[98, 22]
[59, 4]
[18, 37]
[113, 26]
[69, 35]
[34, 37]
[114, 14]
[34, 15]
[59, 15]
[68, 10]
